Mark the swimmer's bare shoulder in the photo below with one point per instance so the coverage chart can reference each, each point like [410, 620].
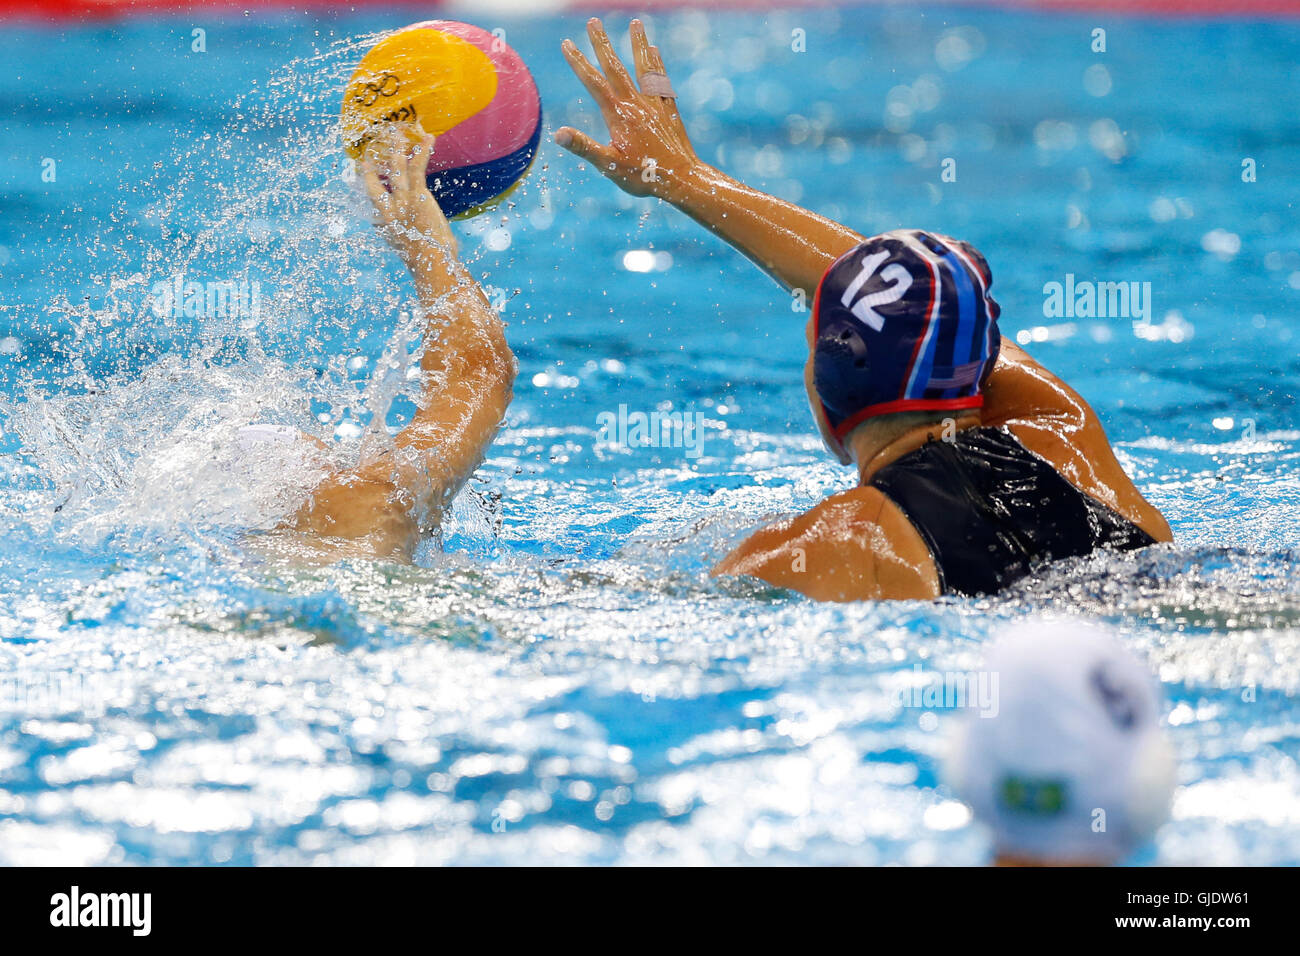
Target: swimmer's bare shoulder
[854, 546]
[1055, 422]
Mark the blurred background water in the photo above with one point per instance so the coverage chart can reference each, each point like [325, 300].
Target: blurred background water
[560, 681]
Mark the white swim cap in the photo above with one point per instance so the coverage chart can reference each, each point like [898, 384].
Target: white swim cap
[250, 436]
[1074, 766]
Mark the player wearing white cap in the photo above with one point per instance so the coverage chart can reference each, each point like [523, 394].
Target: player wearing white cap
[1074, 768]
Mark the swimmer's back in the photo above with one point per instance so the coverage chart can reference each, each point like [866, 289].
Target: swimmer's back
[991, 511]
[968, 517]
[1054, 422]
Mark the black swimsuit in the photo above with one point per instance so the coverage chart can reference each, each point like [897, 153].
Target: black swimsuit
[991, 510]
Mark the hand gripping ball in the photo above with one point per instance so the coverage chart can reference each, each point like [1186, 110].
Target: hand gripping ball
[466, 87]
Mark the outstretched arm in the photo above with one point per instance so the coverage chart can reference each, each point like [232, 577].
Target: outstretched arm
[468, 377]
[649, 154]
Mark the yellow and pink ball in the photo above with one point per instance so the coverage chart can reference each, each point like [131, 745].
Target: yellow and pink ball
[469, 89]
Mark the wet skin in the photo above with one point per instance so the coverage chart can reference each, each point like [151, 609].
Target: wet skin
[857, 544]
[381, 509]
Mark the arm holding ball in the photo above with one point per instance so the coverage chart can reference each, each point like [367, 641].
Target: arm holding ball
[380, 508]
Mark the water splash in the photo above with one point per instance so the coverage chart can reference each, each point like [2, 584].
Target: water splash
[254, 289]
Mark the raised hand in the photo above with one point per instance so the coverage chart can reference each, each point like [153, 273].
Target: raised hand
[649, 153]
[393, 173]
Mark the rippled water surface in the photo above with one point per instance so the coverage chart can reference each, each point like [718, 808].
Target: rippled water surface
[561, 681]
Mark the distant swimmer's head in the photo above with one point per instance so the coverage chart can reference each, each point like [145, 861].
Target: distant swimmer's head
[901, 323]
[1071, 765]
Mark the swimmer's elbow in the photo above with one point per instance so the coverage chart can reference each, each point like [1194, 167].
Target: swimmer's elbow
[728, 567]
[774, 559]
[757, 555]
[491, 376]
[1158, 527]
[487, 358]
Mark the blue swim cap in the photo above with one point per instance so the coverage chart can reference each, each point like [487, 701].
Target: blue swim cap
[902, 322]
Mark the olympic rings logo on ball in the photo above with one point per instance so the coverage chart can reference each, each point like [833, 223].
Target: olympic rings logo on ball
[388, 85]
[462, 84]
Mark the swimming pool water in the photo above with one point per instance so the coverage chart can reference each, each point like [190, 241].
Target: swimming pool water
[561, 682]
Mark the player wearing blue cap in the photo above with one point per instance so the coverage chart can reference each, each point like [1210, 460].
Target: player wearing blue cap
[976, 464]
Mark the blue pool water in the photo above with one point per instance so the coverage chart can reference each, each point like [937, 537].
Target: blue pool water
[561, 682]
